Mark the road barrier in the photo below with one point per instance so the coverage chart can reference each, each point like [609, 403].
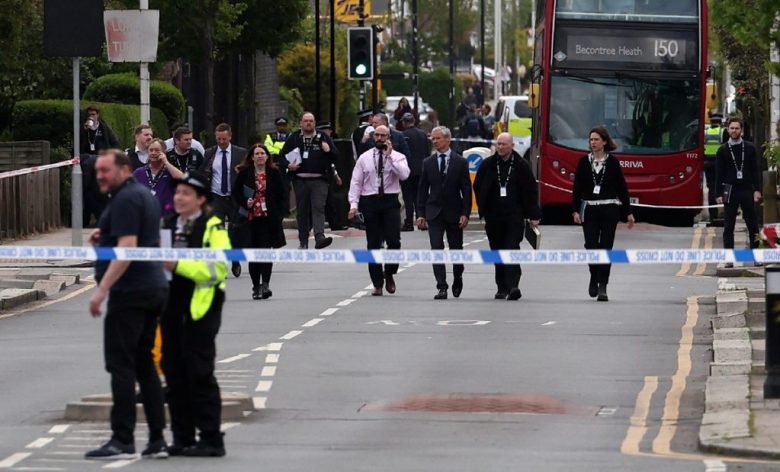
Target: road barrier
[355, 256]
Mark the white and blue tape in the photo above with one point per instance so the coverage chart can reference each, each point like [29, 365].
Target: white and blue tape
[346, 256]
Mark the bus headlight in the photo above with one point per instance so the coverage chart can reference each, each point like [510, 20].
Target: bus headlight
[681, 175]
[563, 171]
[672, 179]
[688, 169]
[556, 164]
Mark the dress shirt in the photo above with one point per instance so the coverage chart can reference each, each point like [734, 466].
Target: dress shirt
[143, 156]
[216, 167]
[364, 175]
[447, 153]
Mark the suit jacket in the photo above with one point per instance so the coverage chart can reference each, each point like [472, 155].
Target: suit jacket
[397, 139]
[419, 149]
[237, 155]
[450, 198]
[522, 200]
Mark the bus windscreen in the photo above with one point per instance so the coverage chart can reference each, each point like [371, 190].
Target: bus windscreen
[666, 11]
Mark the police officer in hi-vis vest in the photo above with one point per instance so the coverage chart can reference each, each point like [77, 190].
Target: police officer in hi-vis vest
[713, 138]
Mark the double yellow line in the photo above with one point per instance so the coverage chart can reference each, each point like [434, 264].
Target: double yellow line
[699, 236]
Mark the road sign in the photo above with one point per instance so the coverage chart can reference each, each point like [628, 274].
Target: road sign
[131, 35]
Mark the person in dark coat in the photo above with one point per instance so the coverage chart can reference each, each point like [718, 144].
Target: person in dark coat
[600, 196]
[96, 135]
[419, 149]
[259, 194]
[506, 195]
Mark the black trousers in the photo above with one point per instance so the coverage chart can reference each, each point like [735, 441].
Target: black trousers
[260, 237]
[740, 198]
[311, 195]
[409, 189]
[225, 209]
[505, 233]
[437, 227]
[382, 225]
[189, 352]
[712, 193]
[599, 229]
[131, 320]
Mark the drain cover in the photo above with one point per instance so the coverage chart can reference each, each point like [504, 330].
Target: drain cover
[481, 403]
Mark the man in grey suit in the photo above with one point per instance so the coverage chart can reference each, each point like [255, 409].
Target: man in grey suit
[219, 164]
[444, 204]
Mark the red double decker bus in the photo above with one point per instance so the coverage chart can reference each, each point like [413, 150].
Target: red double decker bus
[638, 67]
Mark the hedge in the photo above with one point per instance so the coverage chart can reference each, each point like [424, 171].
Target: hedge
[52, 120]
[126, 88]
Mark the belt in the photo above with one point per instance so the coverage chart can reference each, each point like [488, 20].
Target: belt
[611, 201]
[226, 197]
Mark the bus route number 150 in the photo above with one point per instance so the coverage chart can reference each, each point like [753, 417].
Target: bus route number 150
[666, 48]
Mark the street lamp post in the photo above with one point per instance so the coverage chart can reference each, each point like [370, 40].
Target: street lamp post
[452, 63]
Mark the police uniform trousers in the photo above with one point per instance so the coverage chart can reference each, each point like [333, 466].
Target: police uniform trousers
[741, 196]
[131, 321]
[505, 233]
[437, 227]
[189, 353]
[712, 194]
[382, 225]
[599, 229]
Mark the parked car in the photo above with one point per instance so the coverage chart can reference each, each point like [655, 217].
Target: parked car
[391, 103]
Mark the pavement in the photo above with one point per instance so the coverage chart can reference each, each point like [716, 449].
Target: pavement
[738, 420]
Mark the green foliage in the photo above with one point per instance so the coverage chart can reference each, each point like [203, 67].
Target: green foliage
[125, 88]
[52, 120]
[394, 87]
[434, 88]
[294, 101]
[272, 26]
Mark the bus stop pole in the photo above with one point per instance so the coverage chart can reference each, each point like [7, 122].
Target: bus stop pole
[772, 284]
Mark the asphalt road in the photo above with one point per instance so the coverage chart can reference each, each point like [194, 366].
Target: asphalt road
[555, 381]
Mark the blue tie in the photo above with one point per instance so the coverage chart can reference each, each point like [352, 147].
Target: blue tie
[225, 173]
[442, 164]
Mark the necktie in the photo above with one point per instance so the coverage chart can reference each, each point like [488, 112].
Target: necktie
[381, 170]
[225, 174]
[442, 164]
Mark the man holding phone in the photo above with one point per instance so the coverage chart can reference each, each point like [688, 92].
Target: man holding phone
[374, 191]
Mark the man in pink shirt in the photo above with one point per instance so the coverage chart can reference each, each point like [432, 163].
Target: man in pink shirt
[374, 189]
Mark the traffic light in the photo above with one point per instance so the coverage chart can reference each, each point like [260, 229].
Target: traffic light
[360, 43]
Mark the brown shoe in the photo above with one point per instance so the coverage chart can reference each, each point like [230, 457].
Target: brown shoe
[389, 283]
[377, 292]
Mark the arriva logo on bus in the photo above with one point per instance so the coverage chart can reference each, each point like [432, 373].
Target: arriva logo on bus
[632, 164]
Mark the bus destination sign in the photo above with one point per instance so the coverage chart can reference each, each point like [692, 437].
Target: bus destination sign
[588, 48]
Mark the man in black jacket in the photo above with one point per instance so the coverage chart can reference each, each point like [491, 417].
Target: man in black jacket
[309, 156]
[445, 205]
[419, 149]
[139, 155]
[183, 155]
[738, 183]
[506, 195]
[96, 135]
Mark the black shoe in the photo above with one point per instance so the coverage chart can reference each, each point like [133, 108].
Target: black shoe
[729, 265]
[603, 293]
[501, 295]
[255, 292]
[442, 295]
[156, 450]
[323, 242]
[377, 292]
[177, 448]
[266, 291]
[457, 286]
[593, 288]
[514, 294]
[112, 450]
[303, 246]
[389, 283]
[236, 269]
[407, 227]
[203, 449]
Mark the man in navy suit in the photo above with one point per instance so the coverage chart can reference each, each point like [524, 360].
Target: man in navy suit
[444, 204]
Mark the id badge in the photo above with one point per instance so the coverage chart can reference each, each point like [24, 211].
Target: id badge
[91, 146]
[739, 174]
[503, 190]
[263, 206]
[305, 154]
[154, 192]
[596, 189]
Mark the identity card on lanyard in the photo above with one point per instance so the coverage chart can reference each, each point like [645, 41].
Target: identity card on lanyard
[734, 159]
[502, 186]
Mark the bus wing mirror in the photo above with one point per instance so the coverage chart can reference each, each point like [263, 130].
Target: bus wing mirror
[712, 96]
[533, 96]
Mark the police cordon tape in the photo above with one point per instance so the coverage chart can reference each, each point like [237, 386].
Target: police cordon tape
[30, 170]
[355, 256]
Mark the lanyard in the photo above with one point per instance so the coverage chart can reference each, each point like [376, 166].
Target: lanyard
[734, 159]
[509, 172]
[595, 174]
[379, 165]
[183, 166]
[154, 179]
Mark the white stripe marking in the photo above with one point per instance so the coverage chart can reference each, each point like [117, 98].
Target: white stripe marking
[123, 463]
[360, 294]
[346, 302]
[227, 426]
[272, 358]
[259, 402]
[233, 359]
[714, 466]
[264, 386]
[312, 322]
[291, 335]
[400, 270]
[14, 459]
[549, 323]
[39, 443]
[268, 371]
[59, 428]
[273, 347]
[369, 287]
[331, 311]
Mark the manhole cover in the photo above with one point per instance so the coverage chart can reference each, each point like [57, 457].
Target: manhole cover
[481, 403]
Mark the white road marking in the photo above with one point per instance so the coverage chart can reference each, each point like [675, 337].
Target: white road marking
[233, 359]
[346, 302]
[268, 371]
[264, 385]
[714, 466]
[463, 323]
[227, 426]
[14, 459]
[312, 322]
[59, 428]
[272, 358]
[360, 294]
[384, 322]
[291, 335]
[369, 287]
[400, 270]
[259, 402]
[606, 411]
[331, 311]
[119, 464]
[39, 443]
[408, 265]
[549, 323]
[272, 347]
[39, 469]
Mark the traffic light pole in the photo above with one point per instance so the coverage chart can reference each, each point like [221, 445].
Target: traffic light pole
[415, 57]
[375, 79]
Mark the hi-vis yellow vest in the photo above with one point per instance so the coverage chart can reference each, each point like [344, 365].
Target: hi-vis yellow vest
[712, 140]
[274, 147]
[207, 275]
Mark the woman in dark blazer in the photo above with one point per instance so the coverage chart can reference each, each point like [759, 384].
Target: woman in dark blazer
[599, 200]
[259, 194]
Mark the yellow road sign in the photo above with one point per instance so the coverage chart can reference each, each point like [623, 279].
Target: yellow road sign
[347, 10]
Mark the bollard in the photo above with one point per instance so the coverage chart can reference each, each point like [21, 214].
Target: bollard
[772, 284]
